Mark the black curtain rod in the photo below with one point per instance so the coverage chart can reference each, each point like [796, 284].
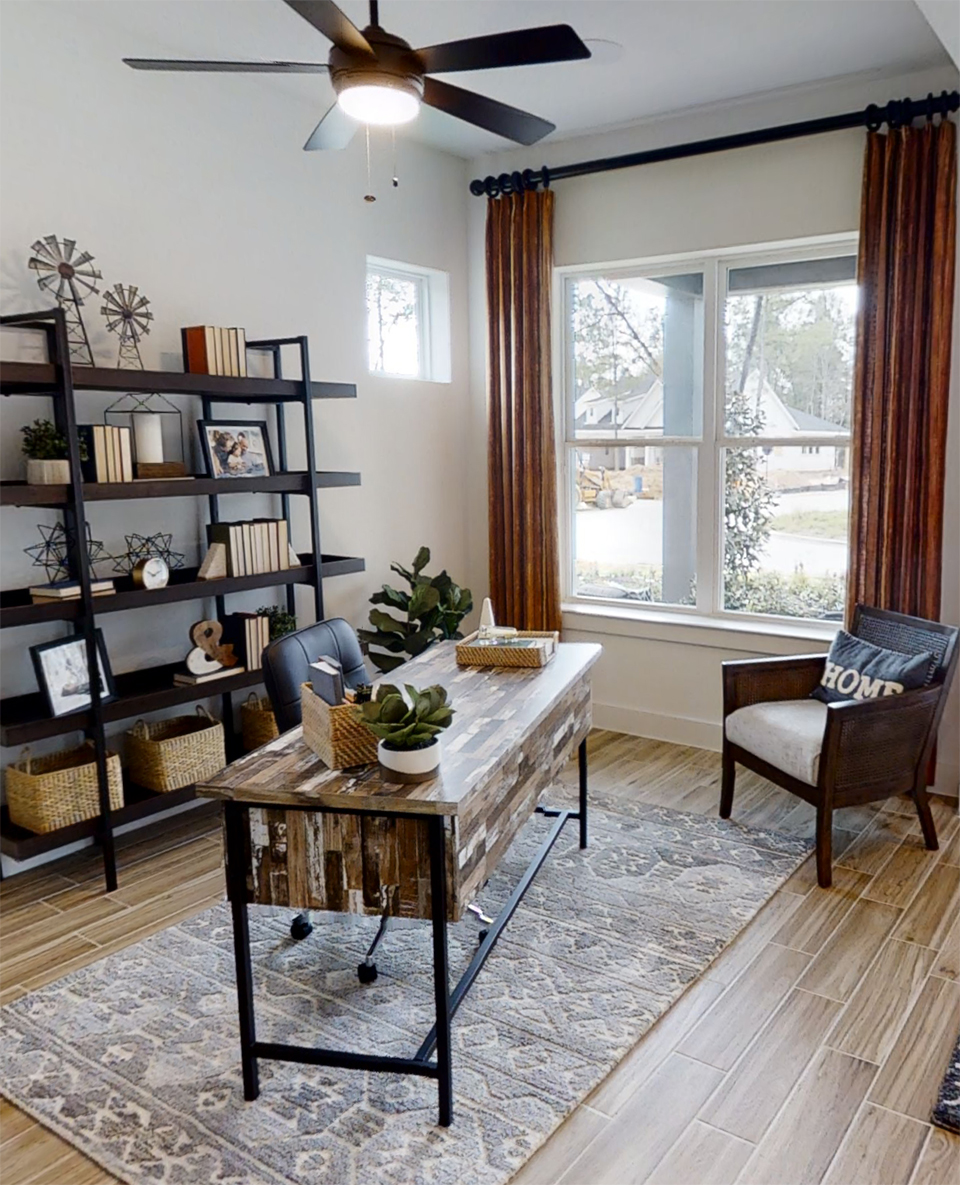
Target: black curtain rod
[896, 113]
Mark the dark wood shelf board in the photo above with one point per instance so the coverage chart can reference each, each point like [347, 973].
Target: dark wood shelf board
[40, 378]
[17, 609]
[139, 803]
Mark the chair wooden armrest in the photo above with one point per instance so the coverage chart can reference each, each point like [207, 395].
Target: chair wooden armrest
[882, 741]
[762, 680]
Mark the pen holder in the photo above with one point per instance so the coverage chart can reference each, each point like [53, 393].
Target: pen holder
[335, 734]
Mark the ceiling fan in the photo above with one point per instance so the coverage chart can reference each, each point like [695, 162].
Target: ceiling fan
[379, 79]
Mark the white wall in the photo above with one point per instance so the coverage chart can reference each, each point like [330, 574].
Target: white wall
[657, 679]
[196, 189]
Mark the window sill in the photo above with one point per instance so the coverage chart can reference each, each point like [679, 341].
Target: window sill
[692, 629]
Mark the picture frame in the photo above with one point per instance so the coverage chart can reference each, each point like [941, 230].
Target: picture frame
[63, 674]
[235, 448]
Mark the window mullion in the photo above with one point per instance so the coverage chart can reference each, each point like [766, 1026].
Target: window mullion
[708, 504]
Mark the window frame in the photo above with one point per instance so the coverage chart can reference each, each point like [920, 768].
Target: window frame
[710, 444]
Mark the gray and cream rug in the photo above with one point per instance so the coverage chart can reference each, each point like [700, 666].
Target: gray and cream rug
[135, 1058]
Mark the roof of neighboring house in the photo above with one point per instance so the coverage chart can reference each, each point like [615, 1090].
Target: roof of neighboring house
[811, 423]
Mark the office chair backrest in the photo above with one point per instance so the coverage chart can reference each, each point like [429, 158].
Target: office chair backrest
[286, 664]
[910, 635]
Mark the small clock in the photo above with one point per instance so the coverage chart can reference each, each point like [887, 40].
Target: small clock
[151, 573]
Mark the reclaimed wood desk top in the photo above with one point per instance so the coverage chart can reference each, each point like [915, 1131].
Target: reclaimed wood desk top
[495, 710]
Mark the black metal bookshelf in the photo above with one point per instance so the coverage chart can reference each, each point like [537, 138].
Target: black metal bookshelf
[24, 719]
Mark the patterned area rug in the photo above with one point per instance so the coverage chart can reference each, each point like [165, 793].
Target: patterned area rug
[947, 1111]
[135, 1059]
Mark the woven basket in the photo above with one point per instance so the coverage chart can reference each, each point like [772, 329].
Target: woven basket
[471, 655]
[335, 734]
[47, 793]
[173, 753]
[258, 723]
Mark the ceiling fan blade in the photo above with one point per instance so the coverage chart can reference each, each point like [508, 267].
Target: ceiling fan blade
[522, 47]
[486, 113]
[228, 67]
[334, 131]
[335, 25]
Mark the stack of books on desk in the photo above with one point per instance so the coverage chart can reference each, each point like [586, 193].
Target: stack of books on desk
[109, 453]
[261, 545]
[67, 590]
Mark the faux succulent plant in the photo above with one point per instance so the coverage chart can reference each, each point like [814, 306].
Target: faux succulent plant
[43, 441]
[432, 610]
[409, 723]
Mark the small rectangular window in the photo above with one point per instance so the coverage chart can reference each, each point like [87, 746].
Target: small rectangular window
[408, 321]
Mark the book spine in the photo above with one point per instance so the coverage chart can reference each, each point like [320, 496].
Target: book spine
[126, 455]
[283, 531]
[85, 437]
[217, 349]
[210, 350]
[195, 356]
[242, 351]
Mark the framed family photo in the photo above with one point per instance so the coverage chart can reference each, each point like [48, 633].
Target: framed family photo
[236, 448]
[64, 676]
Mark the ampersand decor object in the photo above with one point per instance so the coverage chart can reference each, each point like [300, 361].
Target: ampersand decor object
[208, 655]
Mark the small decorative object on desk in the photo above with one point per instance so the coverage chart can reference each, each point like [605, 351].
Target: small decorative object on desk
[503, 646]
[209, 658]
[157, 426]
[53, 553]
[408, 730]
[146, 547]
[45, 449]
[64, 676]
[169, 754]
[65, 273]
[235, 448]
[127, 314]
[209, 349]
[336, 734]
[47, 793]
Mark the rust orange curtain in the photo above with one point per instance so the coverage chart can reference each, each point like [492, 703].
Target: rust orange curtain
[901, 384]
[524, 550]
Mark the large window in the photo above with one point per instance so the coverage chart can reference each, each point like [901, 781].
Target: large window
[707, 420]
[408, 321]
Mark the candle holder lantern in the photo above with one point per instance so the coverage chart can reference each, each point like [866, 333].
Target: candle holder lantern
[157, 429]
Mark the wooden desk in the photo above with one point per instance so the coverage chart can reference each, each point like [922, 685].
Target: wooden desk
[303, 835]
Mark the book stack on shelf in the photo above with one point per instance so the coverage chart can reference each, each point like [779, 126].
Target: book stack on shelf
[254, 547]
[209, 349]
[67, 590]
[108, 451]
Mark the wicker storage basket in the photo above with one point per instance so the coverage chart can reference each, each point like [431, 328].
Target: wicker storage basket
[258, 724]
[335, 734]
[47, 793]
[469, 654]
[173, 753]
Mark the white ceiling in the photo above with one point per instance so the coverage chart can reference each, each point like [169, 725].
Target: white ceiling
[676, 53]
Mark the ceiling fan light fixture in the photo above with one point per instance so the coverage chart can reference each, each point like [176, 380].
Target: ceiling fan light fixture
[383, 104]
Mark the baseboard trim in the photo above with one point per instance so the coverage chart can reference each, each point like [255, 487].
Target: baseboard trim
[680, 730]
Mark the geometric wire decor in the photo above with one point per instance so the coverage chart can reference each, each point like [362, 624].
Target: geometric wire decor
[127, 314]
[53, 553]
[68, 276]
[142, 547]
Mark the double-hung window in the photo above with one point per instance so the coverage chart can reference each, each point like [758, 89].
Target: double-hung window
[706, 417]
[408, 321]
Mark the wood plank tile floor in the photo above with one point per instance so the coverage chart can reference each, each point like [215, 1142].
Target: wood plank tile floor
[811, 1050]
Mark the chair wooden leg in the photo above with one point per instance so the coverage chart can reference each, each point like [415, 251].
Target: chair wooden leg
[927, 825]
[824, 846]
[727, 779]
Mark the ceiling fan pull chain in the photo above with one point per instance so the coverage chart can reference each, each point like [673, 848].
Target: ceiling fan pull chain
[369, 195]
[393, 142]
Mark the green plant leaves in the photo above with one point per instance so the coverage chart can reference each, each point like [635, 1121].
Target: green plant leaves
[407, 723]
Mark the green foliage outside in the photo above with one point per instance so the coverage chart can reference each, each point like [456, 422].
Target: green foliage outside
[748, 506]
[402, 725]
[432, 611]
[815, 524]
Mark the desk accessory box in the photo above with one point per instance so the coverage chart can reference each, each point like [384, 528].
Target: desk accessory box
[540, 648]
[336, 734]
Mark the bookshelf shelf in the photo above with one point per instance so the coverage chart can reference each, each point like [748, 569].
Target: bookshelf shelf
[24, 719]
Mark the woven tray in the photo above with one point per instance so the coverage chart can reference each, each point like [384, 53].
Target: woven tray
[471, 655]
[335, 734]
[258, 724]
[169, 754]
[47, 793]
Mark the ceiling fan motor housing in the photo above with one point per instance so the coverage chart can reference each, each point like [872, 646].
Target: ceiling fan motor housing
[396, 65]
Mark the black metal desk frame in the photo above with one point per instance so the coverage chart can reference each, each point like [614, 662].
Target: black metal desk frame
[447, 1002]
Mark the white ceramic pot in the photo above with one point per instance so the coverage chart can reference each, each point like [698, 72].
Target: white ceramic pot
[48, 473]
[409, 765]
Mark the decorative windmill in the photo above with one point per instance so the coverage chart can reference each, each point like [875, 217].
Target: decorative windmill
[68, 276]
[127, 314]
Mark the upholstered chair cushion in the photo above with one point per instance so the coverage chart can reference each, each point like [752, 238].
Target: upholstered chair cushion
[785, 733]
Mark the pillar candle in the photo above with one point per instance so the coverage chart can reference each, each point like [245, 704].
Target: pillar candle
[149, 438]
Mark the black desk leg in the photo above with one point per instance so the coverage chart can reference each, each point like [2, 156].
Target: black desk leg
[441, 986]
[236, 891]
[582, 763]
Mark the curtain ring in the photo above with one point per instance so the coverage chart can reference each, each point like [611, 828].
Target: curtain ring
[545, 176]
[929, 107]
[516, 180]
[894, 119]
[477, 187]
[530, 180]
[490, 187]
[874, 118]
[506, 188]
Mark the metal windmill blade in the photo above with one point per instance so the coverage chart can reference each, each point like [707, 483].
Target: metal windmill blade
[127, 314]
[68, 278]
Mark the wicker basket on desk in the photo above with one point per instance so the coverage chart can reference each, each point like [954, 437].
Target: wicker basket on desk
[50, 792]
[336, 734]
[170, 754]
[470, 654]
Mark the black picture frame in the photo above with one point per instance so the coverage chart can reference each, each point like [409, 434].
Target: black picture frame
[214, 458]
[51, 674]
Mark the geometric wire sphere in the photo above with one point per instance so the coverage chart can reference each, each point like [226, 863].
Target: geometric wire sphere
[142, 547]
[53, 553]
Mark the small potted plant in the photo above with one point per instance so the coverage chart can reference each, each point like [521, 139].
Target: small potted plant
[408, 749]
[46, 451]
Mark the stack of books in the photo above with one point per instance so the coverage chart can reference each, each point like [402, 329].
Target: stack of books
[109, 452]
[186, 679]
[260, 545]
[209, 349]
[67, 590]
[248, 633]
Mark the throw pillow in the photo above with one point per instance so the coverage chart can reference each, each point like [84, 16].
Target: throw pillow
[859, 670]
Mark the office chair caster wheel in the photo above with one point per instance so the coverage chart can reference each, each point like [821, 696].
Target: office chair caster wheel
[300, 928]
[367, 972]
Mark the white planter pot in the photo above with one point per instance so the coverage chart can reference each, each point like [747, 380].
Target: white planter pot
[409, 765]
[48, 473]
